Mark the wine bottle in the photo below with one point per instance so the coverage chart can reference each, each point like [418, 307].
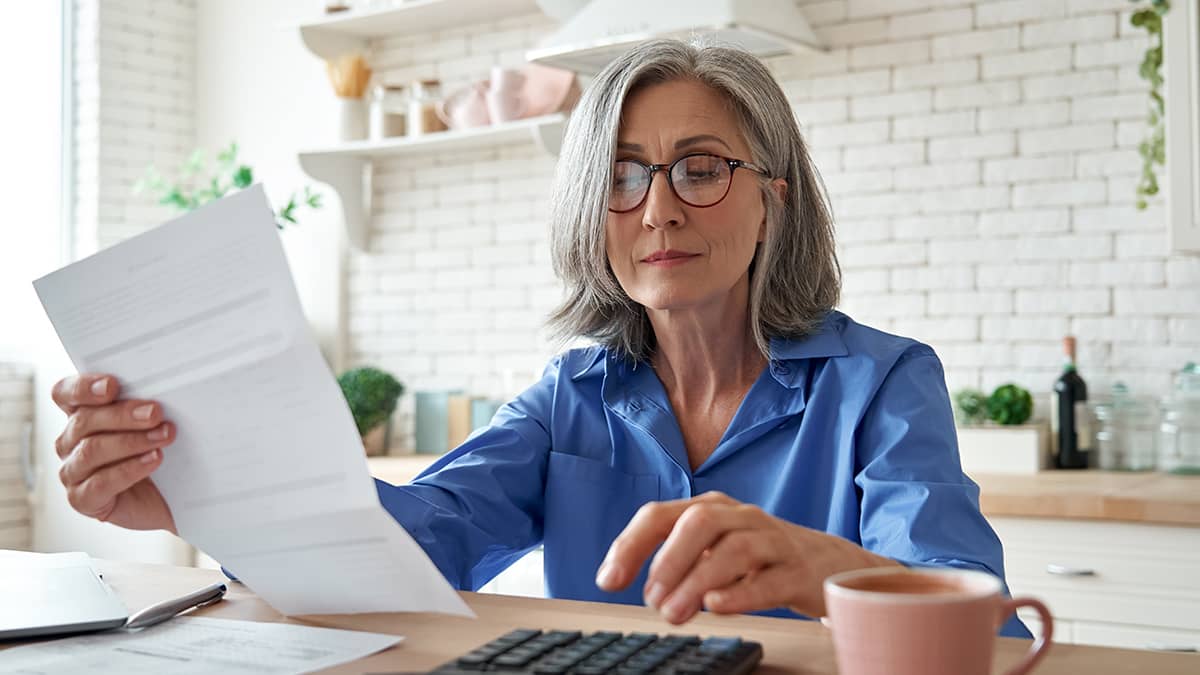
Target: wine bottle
[1070, 430]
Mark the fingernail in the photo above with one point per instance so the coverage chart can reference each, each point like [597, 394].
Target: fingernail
[712, 598]
[143, 412]
[100, 387]
[158, 434]
[674, 609]
[607, 576]
[654, 594]
[149, 457]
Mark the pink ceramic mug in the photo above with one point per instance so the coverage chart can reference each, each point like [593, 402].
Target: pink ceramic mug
[923, 622]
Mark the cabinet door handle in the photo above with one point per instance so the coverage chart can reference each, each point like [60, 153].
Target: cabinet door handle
[1169, 647]
[1067, 571]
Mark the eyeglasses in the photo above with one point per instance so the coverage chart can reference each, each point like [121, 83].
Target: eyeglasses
[698, 179]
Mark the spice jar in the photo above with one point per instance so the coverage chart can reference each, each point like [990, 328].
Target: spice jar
[424, 97]
[387, 113]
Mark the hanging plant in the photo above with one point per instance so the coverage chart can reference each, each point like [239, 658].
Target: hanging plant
[1153, 149]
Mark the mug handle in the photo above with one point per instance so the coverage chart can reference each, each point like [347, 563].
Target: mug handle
[1042, 644]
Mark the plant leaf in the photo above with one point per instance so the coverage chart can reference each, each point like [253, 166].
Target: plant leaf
[243, 177]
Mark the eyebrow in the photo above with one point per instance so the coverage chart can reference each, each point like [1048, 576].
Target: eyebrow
[681, 143]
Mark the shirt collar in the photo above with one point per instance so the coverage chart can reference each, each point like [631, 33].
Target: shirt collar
[825, 342]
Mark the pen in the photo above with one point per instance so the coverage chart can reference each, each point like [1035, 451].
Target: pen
[169, 608]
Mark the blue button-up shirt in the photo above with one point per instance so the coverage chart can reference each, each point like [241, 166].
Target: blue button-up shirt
[848, 431]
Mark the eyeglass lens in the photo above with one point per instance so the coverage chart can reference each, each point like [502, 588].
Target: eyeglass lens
[698, 180]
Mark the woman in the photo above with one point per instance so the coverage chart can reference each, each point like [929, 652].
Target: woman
[726, 413]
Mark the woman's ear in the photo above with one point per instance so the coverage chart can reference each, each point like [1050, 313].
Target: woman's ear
[779, 185]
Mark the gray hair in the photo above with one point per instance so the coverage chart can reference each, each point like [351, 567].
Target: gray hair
[795, 279]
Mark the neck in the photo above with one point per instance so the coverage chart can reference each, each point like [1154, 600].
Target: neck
[705, 351]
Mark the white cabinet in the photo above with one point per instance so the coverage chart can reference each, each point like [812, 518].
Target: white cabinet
[1108, 583]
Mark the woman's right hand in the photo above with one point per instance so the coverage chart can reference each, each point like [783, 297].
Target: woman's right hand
[109, 449]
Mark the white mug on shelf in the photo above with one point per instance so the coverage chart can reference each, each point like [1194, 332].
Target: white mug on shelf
[352, 119]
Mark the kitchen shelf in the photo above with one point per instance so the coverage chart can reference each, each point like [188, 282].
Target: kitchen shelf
[345, 32]
[346, 167]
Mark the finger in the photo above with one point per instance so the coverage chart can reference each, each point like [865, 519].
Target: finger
[645, 531]
[100, 450]
[72, 392]
[738, 554]
[127, 415]
[764, 589]
[701, 526]
[96, 497]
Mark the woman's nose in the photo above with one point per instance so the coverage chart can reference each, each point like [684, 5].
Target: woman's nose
[662, 208]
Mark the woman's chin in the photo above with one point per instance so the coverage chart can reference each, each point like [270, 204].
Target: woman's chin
[682, 300]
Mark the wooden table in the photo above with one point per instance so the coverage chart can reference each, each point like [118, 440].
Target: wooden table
[1094, 495]
[790, 646]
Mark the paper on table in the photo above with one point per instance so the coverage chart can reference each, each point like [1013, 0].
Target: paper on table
[193, 645]
[267, 472]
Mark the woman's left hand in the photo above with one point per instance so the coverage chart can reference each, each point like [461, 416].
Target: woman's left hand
[729, 557]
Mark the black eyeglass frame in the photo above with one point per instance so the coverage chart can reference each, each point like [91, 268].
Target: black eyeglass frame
[734, 165]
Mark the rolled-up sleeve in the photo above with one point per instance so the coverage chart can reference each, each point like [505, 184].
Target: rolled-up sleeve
[917, 505]
[480, 508]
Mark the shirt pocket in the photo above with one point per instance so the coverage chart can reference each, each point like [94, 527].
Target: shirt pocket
[567, 470]
[588, 503]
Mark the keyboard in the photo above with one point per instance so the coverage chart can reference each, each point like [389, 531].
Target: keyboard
[559, 652]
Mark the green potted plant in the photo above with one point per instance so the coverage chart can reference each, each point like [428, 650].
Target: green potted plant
[190, 189]
[371, 394]
[994, 432]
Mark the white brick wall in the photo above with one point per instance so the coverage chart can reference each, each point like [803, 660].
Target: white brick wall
[981, 157]
[134, 106]
[16, 412]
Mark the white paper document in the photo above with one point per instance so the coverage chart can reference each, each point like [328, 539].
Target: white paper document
[267, 472]
[194, 645]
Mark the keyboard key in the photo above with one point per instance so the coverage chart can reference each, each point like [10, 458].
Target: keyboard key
[511, 660]
[721, 644]
[475, 659]
[562, 637]
[518, 636]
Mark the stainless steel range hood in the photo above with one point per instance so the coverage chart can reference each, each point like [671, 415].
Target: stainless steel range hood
[603, 29]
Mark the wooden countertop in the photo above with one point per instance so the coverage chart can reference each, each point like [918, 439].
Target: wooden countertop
[789, 646]
[1152, 498]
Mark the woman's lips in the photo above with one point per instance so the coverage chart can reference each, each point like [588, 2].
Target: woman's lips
[669, 258]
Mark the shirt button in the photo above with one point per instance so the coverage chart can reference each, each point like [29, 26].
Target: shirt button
[782, 369]
[634, 405]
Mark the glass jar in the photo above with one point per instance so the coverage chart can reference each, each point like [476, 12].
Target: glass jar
[387, 114]
[1179, 435]
[424, 97]
[1128, 428]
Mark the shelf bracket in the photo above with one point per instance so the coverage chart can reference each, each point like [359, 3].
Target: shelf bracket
[549, 137]
[348, 176]
[328, 44]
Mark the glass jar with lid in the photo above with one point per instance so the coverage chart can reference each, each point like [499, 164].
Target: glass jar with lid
[424, 97]
[386, 118]
[1179, 435]
[1127, 437]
